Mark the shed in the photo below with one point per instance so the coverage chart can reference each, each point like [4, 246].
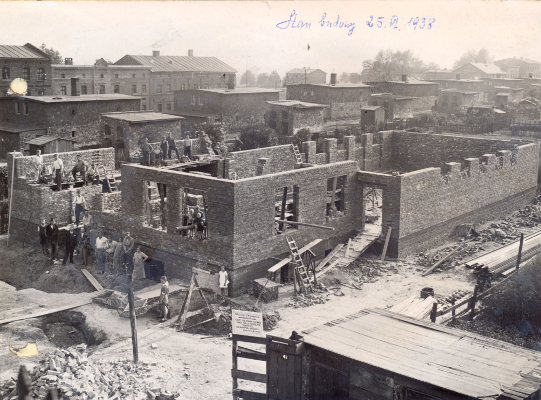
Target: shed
[372, 116]
[50, 144]
[379, 355]
[13, 136]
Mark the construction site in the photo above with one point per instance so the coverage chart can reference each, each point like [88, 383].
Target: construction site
[370, 266]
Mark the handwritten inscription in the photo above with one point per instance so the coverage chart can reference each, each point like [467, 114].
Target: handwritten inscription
[247, 323]
[330, 22]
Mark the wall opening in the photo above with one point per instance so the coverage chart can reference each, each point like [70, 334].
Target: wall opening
[194, 208]
[336, 197]
[155, 197]
[286, 208]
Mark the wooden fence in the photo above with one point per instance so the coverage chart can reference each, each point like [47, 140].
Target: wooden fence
[526, 128]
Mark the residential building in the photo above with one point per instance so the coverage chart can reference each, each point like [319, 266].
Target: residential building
[232, 107]
[520, 68]
[409, 87]
[298, 76]
[453, 100]
[70, 116]
[437, 75]
[27, 62]
[13, 136]
[480, 70]
[344, 100]
[397, 106]
[471, 85]
[288, 116]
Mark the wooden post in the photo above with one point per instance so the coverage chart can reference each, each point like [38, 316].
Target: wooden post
[520, 250]
[186, 304]
[473, 301]
[434, 312]
[283, 210]
[11, 195]
[235, 365]
[453, 313]
[294, 279]
[23, 384]
[131, 302]
[386, 244]
[333, 193]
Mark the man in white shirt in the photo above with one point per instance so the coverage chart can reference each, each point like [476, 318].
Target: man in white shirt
[101, 247]
[58, 166]
[80, 205]
[38, 164]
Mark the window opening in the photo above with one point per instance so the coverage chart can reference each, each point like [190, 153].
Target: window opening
[286, 208]
[335, 197]
[156, 205]
[194, 210]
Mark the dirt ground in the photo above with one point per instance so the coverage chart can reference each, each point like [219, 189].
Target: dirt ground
[197, 366]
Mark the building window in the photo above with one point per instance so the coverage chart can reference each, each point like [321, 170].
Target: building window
[133, 75]
[84, 90]
[160, 107]
[159, 89]
[107, 130]
[118, 109]
[134, 89]
[5, 73]
[41, 93]
[143, 89]
[116, 76]
[335, 196]
[285, 115]
[119, 131]
[237, 118]
[41, 74]
[102, 89]
[169, 107]
[17, 108]
[182, 87]
[144, 107]
[73, 112]
[62, 76]
[144, 76]
[168, 88]
[101, 76]
[286, 208]
[200, 100]
[29, 93]
[26, 73]
[193, 99]
[63, 90]
[116, 89]
[73, 134]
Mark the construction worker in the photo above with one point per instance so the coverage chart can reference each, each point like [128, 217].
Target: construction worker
[80, 166]
[188, 147]
[42, 229]
[38, 165]
[172, 146]
[80, 206]
[52, 238]
[146, 149]
[164, 299]
[59, 170]
[71, 243]
[164, 146]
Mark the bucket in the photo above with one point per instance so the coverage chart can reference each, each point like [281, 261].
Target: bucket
[427, 291]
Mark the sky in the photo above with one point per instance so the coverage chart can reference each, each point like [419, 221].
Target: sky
[332, 36]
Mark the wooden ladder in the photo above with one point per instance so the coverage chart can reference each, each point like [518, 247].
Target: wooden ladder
[111, 183]
[304, 281]
[297, 153]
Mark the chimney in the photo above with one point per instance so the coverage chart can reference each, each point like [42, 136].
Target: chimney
[68, 61]
[404, 77]
[75, 87]
[457, 77]
[333, 79]
[190, 53]
[155, 53]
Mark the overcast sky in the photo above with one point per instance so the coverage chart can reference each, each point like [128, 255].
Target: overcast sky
[245, 34]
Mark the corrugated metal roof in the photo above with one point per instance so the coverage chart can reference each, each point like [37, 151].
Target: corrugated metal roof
[183, 63]
[7, 51]
[142, 116]
[459, 361]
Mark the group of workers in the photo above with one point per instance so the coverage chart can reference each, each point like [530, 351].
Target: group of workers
[88, 173]
[167, 147]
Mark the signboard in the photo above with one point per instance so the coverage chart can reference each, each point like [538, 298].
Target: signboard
[247, 323]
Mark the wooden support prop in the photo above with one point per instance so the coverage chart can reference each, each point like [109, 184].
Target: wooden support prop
[386, 244]
[520, 250]
[432, 268]
[11, 196]
[434, 312]
[453, 313]
[186, 304]
[323, 272]
[234, 347]
[46, 312]
[283, 210]
[287, 260]
[347, 247]
[330, 255]
[473, 301]
[131, 302]
[283, 221]
[24, 384]
[92, 280]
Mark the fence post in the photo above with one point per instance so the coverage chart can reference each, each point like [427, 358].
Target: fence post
[473, 301]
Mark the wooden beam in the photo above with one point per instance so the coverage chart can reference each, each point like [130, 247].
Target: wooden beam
[131, 303]
[250, 339]
[454, 252]
[283, 210]
[244, 352]
[249, 376]
[321, 273]
[92, 280]
[330, 255]
[520, 250]
[386, 243]
[249, 395]
[45, 312]
[186, 305]
[283, 221]
[286, 261]
[347, 247]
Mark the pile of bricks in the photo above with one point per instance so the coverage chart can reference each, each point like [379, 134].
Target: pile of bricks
[76, 378]
[306, 300]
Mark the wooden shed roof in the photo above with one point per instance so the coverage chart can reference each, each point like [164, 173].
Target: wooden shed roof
[459, 361]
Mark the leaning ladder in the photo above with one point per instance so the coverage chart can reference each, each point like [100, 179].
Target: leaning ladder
[297, 153]
[304, 281]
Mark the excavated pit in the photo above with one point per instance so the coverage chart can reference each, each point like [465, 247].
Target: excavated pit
[69, 328]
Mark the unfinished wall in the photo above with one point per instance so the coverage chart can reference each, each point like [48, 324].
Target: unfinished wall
[244, 163]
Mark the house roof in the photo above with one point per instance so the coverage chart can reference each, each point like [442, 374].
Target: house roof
[414, 82]
[301, 71]
[370, 108]
[193, 113]
[338, 85]
[82, 98]
[179, 63]
[16, 128]
[456, 360]
[458, 91]
[489, 68]
[238, 90]
[41, 140]
[297, 104]
[502, 94]
[526, 60]
[138, 117]
[497, 111]
[26, 51]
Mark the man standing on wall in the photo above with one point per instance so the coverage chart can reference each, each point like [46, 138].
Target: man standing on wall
[52, 237]
[146, 149]
[58, 166]
[172, 146]
[80, 205]
[164, 145]
[38, 164]
[81, 167]
[188, 147]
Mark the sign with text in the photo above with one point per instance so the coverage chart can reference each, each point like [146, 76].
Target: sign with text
[247, 323]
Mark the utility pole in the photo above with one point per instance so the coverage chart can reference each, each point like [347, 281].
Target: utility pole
[305, 75]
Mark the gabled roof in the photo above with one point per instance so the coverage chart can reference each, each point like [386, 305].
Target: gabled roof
[41, 140]
[142, 116]
[488, 68]
[302, 70]
[458, 361]
[177, 63]
[26, 51]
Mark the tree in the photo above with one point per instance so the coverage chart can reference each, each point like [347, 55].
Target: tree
[56, 58]
[480, 56]
[274, 79]
[389, 65]
[303, 135]
[354, 77]
[263, 80]
[344, 77]
[247, 79]
[256, 136]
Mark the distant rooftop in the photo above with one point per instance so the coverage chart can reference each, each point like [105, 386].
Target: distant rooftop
[370, 108]
[160, 63]
[459, 91]
[338, 85]
[415, 82]
[41, 140]
[26, 51]
[238, 90]
[16, 128]
[82, 98]
[461, 80]
[297, 104]
[142, 116]
[488, 68]
[302, 71]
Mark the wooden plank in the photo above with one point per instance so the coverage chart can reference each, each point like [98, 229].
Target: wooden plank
[249, 395]
[250, 339]
[272, 371]
[321, 273]
[244, 352]
[249, 376]
[454, 252]
[347, 247]
[287, 260]
[384, 253]
[284, 221]
[92, 280]
[324, 262]
[45, 312]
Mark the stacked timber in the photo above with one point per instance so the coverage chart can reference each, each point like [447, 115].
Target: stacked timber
[504, 258]
[415, 307]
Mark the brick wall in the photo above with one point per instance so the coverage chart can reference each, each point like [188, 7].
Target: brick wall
[244, 163]
[35, 84]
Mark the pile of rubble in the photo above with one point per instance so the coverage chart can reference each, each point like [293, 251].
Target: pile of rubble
[309, 299]
[76, 378]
